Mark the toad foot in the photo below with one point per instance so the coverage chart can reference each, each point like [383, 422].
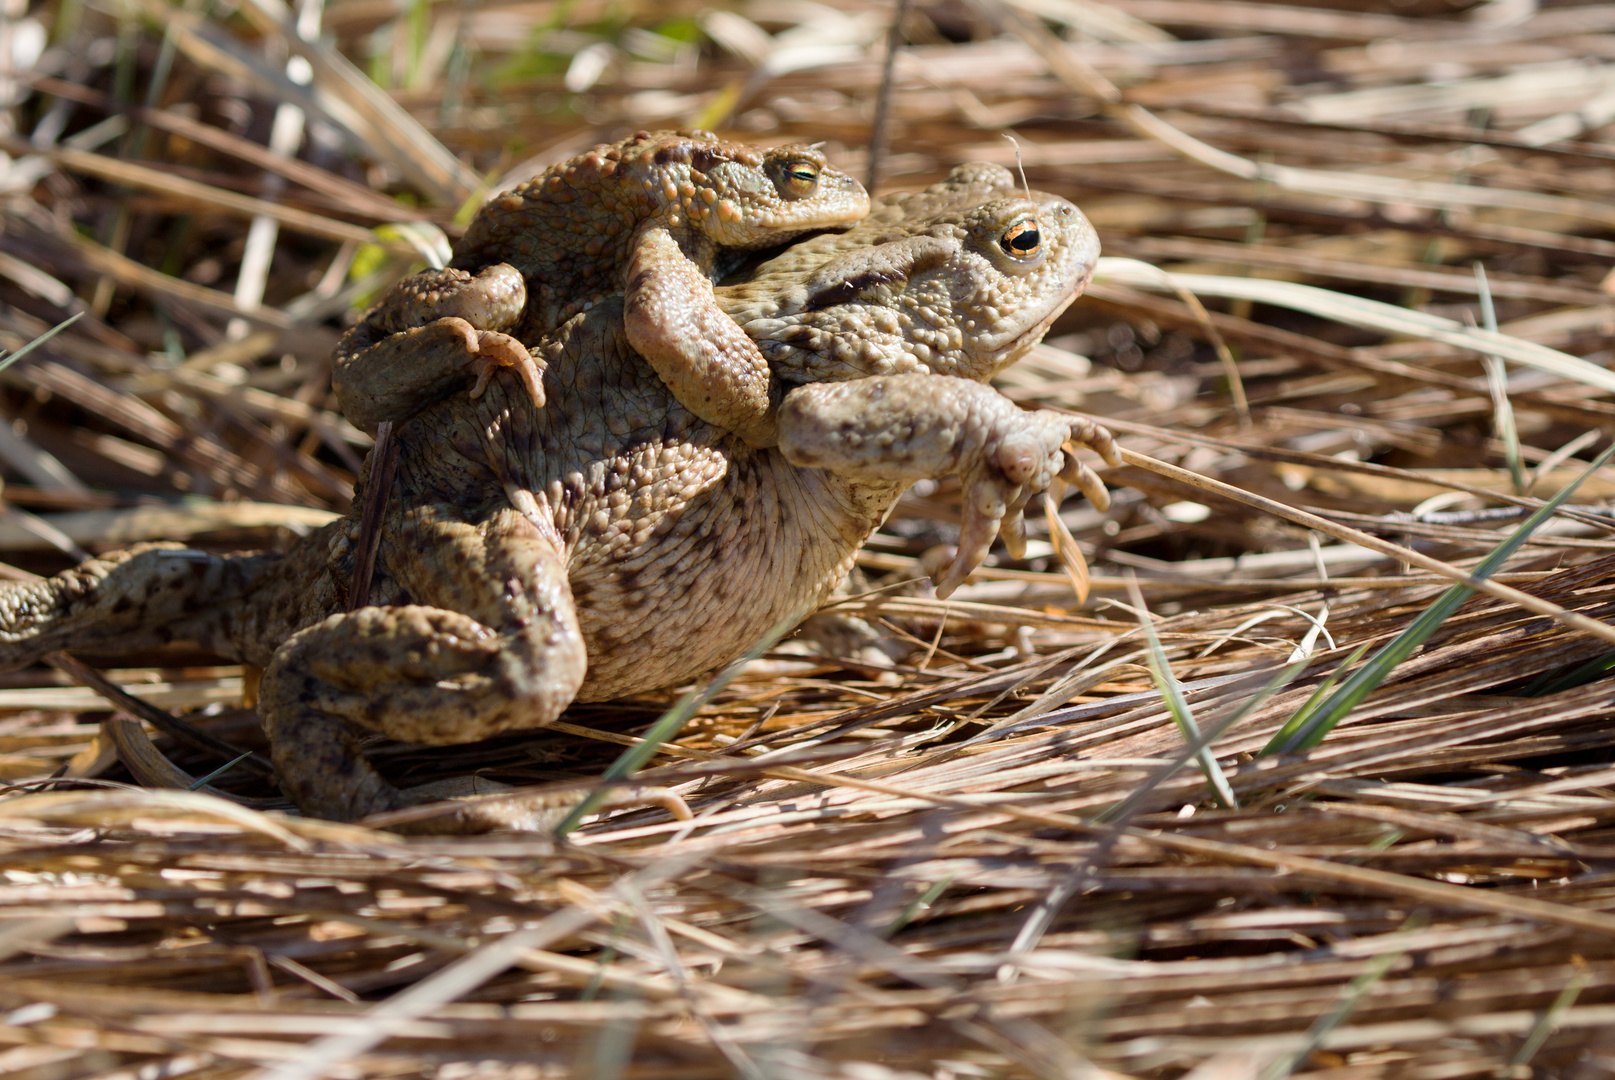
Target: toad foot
[428, 333]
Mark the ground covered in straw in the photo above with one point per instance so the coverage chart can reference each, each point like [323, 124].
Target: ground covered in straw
[928, 839]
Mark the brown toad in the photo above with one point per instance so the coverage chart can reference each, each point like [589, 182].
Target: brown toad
[614, 542]
[645, 217]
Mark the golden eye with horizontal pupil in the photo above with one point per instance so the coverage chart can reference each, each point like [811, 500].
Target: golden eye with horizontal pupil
[801, 177]
[1022, 239]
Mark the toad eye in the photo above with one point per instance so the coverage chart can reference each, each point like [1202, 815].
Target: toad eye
[800, 177]
[1022, 239]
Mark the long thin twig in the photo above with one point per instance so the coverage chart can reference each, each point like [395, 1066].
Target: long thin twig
[161, 719]
[883, 100]
[383, 468]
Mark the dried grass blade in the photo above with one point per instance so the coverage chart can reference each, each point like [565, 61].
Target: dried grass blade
[1342, 24]
[340, 93]
[1358, 311]
[263, 404]
[19, 934]
[663, 942]
[34, 527]
[1023, 1040]
[101, 259]
[415, 151]
[1225, 355]
[1602, 631]
[104, 809]
[1445, 478]
[143, 760]
[1100, 21]
[1078, 76]
[1065, 545]
[1497, 382]
[37, 465]
[142, 176]
[1437, 892]
[1064, 732]
[1564, 453]
[161, 719]
[1044, 911]
[356, 196]
[451, 983]
[1305, 732]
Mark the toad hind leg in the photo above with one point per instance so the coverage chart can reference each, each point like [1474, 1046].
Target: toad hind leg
[425, 337]
[708, 362]
[128, 601]
[492, 646]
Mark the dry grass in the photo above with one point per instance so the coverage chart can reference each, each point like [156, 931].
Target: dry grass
[989, 857]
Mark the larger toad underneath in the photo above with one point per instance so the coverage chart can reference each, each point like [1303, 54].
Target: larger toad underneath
[612, 541]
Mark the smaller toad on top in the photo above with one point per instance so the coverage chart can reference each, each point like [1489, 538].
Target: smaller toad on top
[647, 217]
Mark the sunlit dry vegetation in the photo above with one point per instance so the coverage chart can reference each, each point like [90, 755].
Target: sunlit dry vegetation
[930, 839]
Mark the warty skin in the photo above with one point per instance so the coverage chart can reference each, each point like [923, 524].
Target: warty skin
[612, 541]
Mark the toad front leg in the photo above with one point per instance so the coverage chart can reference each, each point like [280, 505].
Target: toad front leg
[902, 428]
[492, 645]
[672, 319]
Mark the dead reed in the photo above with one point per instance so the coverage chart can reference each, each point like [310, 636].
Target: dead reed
[951, 839]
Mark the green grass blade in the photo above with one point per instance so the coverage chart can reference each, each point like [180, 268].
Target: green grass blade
[1549, 1022]
[670, 724]
[7, 361]
[1577, 676]
[607, 957]
[1349, 1002]
[220, 771]
[1299, 718]
[918, 906]
[1121, 812]
[1313, 729]
[1172, 694]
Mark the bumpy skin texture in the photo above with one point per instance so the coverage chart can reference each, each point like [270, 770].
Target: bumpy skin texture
[613, 541]
[925, 283]
[645, 217]
[904, 427]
